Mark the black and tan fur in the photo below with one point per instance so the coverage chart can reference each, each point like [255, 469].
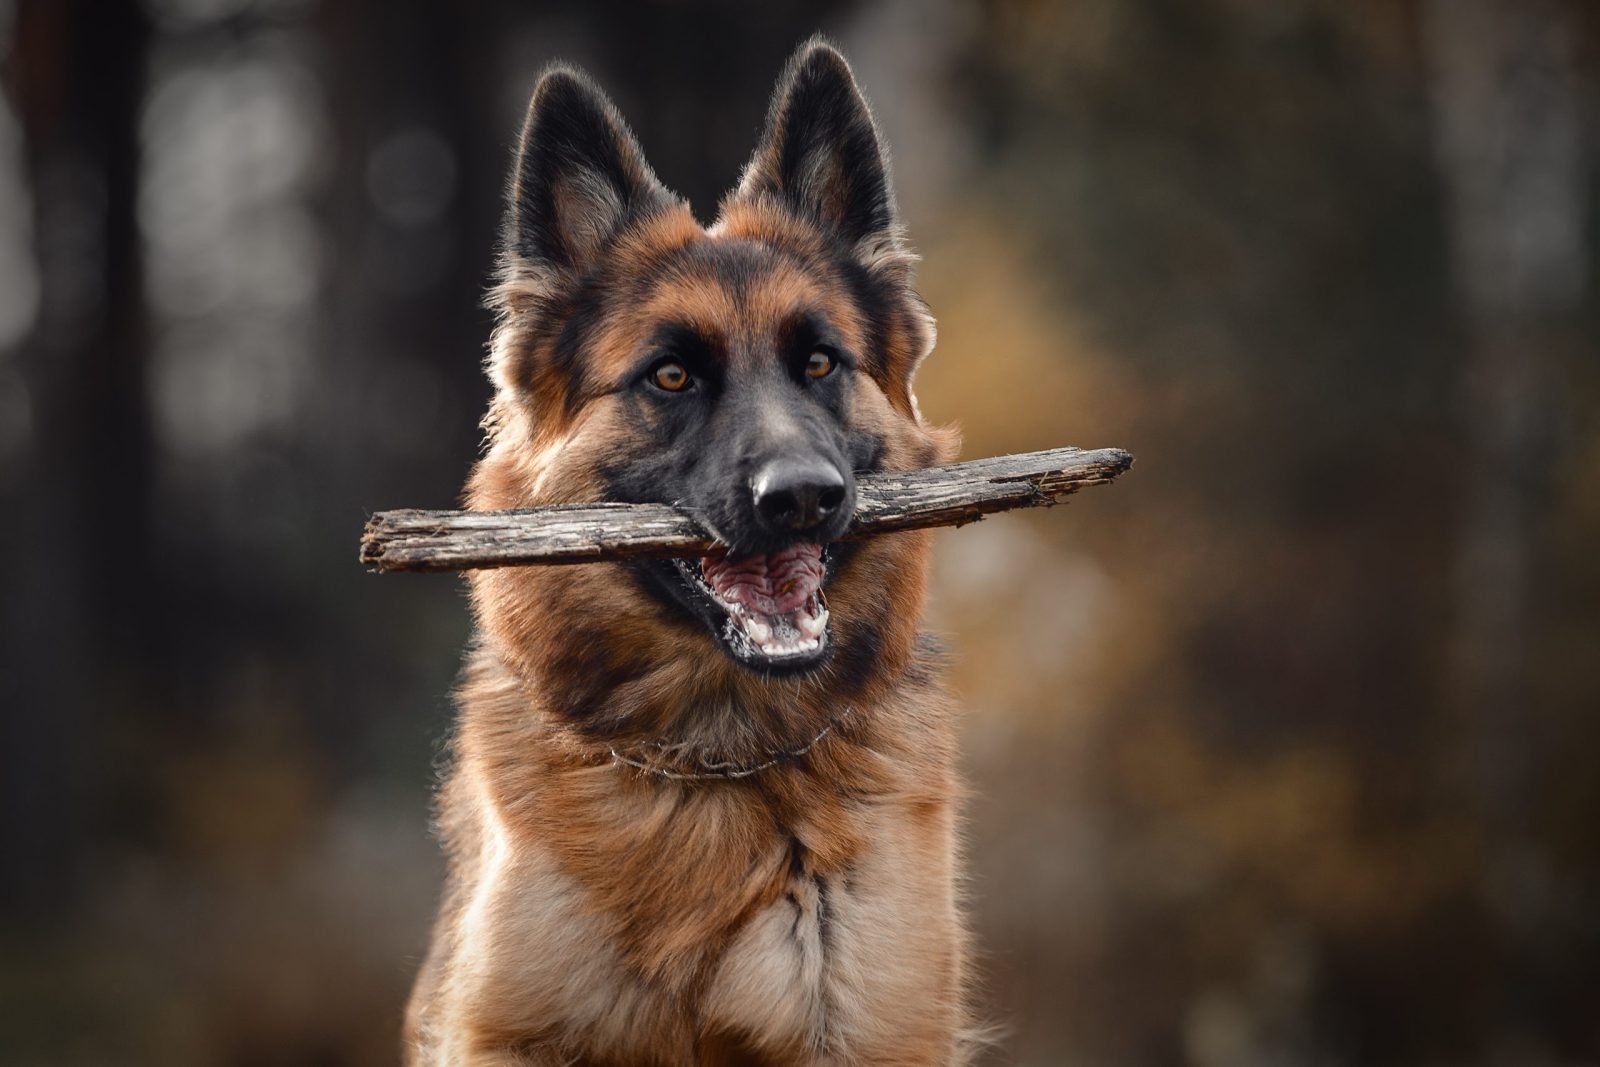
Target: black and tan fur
[660, 855]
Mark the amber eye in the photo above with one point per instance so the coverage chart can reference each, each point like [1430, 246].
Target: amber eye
[671, 377]
[819, 365]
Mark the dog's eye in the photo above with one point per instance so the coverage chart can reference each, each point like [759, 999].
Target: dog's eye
[819, 365]
[671, 376]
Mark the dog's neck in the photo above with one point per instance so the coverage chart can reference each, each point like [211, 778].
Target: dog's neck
[584, 802]
[671, 761]
[748, 732]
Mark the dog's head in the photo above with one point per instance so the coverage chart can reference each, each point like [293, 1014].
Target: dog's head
[746, 372]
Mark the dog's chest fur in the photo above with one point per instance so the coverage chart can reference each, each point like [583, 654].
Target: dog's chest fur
[816, 971]
[772, 954]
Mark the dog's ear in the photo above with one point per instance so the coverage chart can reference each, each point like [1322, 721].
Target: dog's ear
[821, 152]
[580, 178]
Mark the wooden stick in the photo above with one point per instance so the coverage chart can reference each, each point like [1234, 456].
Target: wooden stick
[951, 495]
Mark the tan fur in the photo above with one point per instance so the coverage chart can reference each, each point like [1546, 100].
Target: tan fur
[600, 913]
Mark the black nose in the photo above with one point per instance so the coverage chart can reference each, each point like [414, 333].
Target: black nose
[797, 494]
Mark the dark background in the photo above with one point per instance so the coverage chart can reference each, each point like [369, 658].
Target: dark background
[1283, 750]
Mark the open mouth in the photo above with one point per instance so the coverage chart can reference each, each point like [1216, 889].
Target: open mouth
[772, 607]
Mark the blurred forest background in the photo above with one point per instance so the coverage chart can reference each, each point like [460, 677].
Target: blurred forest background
[1284, 749]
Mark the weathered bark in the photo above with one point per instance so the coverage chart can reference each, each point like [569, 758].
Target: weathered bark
[586, 533]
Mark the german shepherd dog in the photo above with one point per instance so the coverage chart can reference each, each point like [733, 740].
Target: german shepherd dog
[702, 811]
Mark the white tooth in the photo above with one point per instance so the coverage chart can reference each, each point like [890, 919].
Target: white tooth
[759, 631]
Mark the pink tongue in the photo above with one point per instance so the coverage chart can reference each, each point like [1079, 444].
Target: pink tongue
[773, 584]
